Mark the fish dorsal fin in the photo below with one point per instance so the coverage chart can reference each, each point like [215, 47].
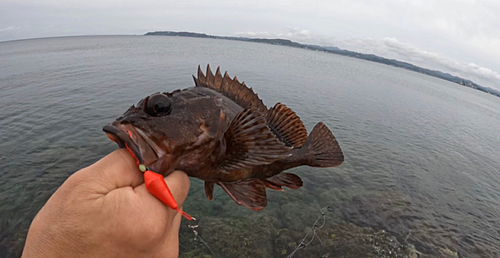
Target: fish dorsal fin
[250, 142]
[250, 193]
[231, 88]
[286, 125]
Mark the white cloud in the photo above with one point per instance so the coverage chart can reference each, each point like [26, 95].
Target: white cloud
[9, 28]
[297, 32]
[291, 33]
[253, 34]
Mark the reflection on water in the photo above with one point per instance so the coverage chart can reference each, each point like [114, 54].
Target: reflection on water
[421, 153]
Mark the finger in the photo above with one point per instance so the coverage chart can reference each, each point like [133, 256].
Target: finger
[117, 169]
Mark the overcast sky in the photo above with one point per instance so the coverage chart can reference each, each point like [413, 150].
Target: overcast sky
[461, 37]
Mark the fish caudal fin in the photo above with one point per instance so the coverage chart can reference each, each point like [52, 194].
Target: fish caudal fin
[283, 179]
[250, 193]
[321, 149]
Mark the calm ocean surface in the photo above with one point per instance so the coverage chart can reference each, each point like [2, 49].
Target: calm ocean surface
[421, 154]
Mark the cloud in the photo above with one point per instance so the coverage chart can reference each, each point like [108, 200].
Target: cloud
[297, 32]
[253, 34]
[10, 28]
[291, 33]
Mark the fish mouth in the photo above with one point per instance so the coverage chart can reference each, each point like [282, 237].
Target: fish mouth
[126, 136]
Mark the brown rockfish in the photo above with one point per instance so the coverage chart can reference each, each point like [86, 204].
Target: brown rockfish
[220, 131]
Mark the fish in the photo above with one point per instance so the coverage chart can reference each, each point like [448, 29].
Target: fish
[221, 132]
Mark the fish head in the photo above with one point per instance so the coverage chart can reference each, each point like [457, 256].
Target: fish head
[160, 129]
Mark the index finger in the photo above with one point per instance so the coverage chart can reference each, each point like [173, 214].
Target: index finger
[115, 170]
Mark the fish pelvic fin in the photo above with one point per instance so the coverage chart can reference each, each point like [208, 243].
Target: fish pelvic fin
[283, 179]
[209, 190]
[286, 125]
[321, 149]
[249, 142]
[250, 193]
[231, 88]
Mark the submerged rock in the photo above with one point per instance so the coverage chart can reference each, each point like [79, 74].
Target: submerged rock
[395, 212]
[259, 236]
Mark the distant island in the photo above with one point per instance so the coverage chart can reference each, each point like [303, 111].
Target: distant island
[338, 51]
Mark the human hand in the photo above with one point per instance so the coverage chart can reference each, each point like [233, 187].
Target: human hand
[104, 210]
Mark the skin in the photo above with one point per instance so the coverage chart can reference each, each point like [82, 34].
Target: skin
[104, 210]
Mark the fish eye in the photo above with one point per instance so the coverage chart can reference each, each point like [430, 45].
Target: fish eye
[158, 105]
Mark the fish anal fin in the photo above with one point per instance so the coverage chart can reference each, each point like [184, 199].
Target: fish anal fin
[250, 193]
[250, 142]
[231, 88]
[283, 179]
[271, 185]
[286, 125]
[209, 190]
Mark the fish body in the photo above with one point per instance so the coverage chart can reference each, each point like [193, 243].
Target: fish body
[221, 132]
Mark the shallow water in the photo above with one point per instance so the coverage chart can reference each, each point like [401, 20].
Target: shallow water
[421, 154]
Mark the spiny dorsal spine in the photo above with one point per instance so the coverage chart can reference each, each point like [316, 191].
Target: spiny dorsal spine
[231, 88]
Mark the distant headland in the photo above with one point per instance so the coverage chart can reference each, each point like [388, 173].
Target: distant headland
[338, 51]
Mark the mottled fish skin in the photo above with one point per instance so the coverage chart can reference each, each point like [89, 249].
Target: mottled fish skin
[221, 132]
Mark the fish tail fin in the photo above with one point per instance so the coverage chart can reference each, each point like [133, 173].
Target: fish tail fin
[321, 149]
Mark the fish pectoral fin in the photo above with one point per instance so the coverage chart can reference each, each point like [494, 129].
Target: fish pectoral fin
[283, 179]
[250, 142]
[209, 190]
[250, 193]
[286, 125]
